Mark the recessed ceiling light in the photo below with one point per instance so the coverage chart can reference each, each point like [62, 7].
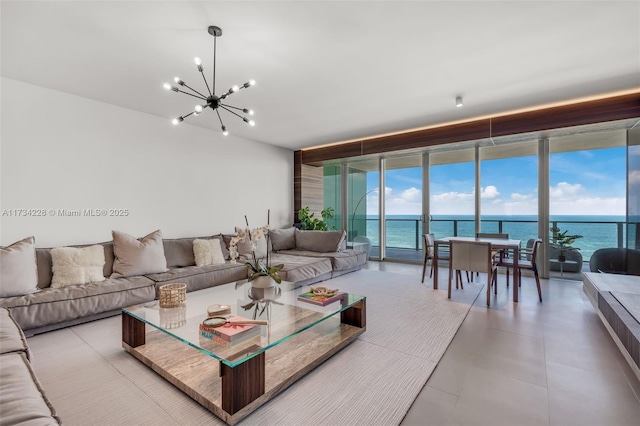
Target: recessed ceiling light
[458, 101]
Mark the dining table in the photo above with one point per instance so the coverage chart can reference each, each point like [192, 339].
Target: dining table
[510, 245]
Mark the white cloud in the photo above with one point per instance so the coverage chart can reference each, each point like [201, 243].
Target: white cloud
[634, 177]
[564, 190]
[490, 192]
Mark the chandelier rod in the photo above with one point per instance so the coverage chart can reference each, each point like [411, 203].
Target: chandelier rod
[227, 109]
[219, 118]
[215, 38]
[194, 90]
[187, 93]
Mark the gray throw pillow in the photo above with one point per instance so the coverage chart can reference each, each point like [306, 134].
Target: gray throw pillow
[283, 239]
[319, 241]
[18, 271]
[138, 256]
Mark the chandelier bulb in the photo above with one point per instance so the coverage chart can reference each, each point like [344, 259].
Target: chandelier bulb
[166, 86]
[251, 122]
[234, 88]
[198, 109]
[248, 111]
[177, 121]
[197, 61]
[249, 84]
[178, 81]
[225, 131]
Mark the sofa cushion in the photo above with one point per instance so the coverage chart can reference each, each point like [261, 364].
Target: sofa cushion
[138, 256]
[319, 241]
[283, 239]
[208, 252]
[300, 268]
[22, 398]
[12, 338]
[72, 265]
[18, 270]
[45, 265]
[340, 260]
[199, 277]
[179, 252]
[57, 305]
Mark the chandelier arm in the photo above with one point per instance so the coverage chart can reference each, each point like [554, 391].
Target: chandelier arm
[227, 109]
[187, 93]
[219, 118]
[185, 116]
[205, 82]
[231, 106]
[194, 90]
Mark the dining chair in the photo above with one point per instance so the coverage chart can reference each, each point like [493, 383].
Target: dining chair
[528, 263]
[428, 241]
[495, 235]
[473, 256]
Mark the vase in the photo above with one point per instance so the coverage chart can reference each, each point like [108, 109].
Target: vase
[263, 281]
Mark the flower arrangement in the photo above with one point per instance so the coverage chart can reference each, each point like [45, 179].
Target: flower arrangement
[257, 267]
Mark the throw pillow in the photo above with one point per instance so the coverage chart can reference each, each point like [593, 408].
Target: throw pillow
[319, 241]
[283, 239]
[77, 265]
[244, 247]
[208, 252]
[138, 256]
[18, 271]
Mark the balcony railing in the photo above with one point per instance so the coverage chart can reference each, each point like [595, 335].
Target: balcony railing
[406, 233]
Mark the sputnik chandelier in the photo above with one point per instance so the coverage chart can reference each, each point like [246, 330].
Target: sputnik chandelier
[212, 101]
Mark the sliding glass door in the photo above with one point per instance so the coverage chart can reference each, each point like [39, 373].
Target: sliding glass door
[403, 208]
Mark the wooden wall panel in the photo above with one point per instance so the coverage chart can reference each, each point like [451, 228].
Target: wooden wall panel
[297, 184]
[428, 137]
[598, 111]
[312, 188]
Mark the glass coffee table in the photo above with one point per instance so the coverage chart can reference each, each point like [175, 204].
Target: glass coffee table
[232, 378]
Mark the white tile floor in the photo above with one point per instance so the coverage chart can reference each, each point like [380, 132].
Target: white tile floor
[530, 363]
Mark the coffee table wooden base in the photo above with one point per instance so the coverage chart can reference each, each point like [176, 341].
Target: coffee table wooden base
[219, 389]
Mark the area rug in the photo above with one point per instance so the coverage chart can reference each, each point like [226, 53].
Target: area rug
[373, 381]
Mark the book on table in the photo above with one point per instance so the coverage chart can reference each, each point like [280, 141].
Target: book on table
[230, 332]
[321, 300]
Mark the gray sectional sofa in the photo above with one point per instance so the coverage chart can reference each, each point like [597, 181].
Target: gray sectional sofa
[22, 399]
[308, 257]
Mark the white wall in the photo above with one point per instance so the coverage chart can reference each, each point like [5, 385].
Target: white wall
[60, 151]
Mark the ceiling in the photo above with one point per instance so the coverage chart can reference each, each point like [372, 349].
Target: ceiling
[326, 71]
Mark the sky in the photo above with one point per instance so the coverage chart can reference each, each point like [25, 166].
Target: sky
[582, 183]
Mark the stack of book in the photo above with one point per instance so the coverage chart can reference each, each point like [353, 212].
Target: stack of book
[321, 300]
[230, 333]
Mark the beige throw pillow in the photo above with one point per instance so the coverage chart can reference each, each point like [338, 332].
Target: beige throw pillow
[138, 256]
[208, 252]
[18, 271]
[77, 265]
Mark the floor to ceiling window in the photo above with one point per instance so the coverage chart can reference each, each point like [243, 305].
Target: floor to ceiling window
[587, 195]
[403, 208]
[452, 193]
[509, 190]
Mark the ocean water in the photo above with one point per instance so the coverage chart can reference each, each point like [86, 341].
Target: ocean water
[597, 231]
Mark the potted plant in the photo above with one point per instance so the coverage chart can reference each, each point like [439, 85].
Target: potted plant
[261, 272]
[563, 241]
[310, 223]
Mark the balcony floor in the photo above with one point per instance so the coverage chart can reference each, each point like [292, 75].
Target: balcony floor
[415, 256]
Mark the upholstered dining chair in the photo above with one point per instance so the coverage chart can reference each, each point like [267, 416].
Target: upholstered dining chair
[530, 264]
[428, 241]
[473, 256]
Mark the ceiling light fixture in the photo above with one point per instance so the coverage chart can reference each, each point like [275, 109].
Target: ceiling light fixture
[213, 100]
[458, 101]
